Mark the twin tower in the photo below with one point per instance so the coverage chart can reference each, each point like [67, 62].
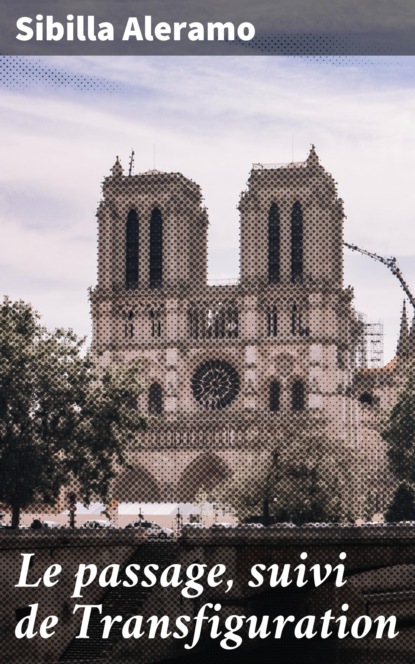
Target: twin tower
[227, 370]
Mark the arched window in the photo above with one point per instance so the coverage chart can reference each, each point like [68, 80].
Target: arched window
[156, 249]
[129, 326]
[297, 395]
[131, 251]
[155, 399]
[296, 243]
[273, 244]
[194, 322]
[154, 317]
[274, 396]
[272, 321]
[297, 322]
[294, 319]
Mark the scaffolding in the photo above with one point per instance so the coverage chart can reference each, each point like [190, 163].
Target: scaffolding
[369, 349]
[374, 343]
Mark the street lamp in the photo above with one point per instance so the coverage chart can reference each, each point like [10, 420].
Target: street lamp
[179, 521]
[72, 508]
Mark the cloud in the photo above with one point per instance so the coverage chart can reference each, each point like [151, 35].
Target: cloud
[209, 118]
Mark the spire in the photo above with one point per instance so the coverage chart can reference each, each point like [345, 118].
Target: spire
[402, 349]
[116, 170]
[411, 340]
[312, 158]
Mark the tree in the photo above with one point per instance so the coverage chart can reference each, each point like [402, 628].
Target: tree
[399, 433]
[62, 420]
[302, 479]
[402, 506]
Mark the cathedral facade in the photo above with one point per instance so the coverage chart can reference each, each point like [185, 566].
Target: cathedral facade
[227, 370]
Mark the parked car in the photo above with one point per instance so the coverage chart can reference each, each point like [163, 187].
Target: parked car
[192, 527]
[40, 523]
[98, 523]
[151, 529]
[221, 526]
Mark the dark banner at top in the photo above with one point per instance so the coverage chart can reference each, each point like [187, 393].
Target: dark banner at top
[213, 27]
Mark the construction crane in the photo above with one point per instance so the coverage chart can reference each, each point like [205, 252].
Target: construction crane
[390, 262]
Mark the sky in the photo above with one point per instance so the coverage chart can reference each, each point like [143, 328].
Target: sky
[63, 121]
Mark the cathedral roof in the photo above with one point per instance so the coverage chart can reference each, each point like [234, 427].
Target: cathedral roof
[312, 160]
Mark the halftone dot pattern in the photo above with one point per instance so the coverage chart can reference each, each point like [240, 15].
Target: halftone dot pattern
[17, 73]
[302, 44]
[259, 402]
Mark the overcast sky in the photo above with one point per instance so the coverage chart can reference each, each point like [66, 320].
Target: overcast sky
[63, 121]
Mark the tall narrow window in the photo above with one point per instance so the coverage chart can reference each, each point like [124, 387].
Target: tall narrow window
[297, 395]
[273, 244]
[296, 243]
[194, 324]
[272, 321]
[154, 316]
[156, 249]
[294, 317]
[297, 320]
[129, 326]
[131, 251]
[274, 396]
[155, 399]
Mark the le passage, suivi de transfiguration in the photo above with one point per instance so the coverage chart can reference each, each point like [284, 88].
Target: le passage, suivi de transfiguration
[191, 581]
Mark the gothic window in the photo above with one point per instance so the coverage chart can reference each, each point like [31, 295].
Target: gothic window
[272, 321]
[193, 316]
[297, 395]
[156, 249]
[155, 399]
[155, 321]
[274, 396]
[296, 243]
[129, 325]
[273, 244]
[215, 384]
[297, 322]
[294, 319]
[131, 251]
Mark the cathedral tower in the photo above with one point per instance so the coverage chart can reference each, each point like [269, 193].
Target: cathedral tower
[229, 369]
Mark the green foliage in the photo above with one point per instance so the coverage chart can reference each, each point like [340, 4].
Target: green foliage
[402, 506]
[303, 479]
[399, 433]
[62, 421]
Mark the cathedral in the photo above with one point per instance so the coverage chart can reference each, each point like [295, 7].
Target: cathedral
[228, 370]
